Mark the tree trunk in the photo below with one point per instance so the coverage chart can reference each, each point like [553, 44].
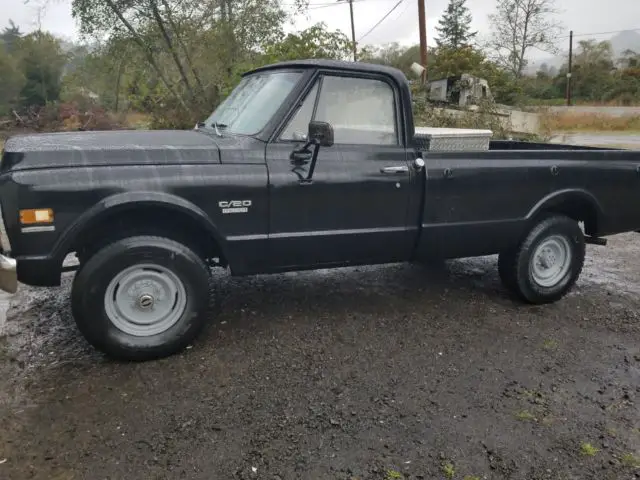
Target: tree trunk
[118, 79]
[525, 38]
[187, 56]
[148, 54]
[174, 54]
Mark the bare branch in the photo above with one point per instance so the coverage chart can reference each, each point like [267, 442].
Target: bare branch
[522, 25]
[172, 50]
[185, 50]
[147, 51]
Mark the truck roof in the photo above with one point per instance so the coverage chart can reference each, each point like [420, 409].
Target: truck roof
[361, 67]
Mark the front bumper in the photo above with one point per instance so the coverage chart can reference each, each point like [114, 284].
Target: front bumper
[8, 274]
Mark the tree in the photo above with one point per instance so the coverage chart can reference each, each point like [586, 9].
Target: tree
[454, 27]
[392, 54]
[10, 35]
[630, 59]
[593, 70]
[42, 62]
[519, 26]
[314, 42]
[447, 62]
[189, 47]
[12, 81]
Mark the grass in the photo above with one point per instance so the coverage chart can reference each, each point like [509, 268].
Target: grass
[588, 450]
[525, 415]
[630, 460]
[485, 118]
[393, 475]
[588, 122]
[550, 344]
[449, 470]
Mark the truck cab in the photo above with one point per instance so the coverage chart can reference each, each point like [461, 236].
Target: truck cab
[354, 199]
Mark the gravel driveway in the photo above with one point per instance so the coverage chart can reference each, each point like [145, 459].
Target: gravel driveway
[395, 372]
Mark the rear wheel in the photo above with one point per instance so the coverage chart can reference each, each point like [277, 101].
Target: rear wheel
[141, 298]
[546, 264]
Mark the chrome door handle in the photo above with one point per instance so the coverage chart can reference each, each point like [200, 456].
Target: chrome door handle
[394, 170]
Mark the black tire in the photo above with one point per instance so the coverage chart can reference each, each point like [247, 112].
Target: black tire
[176, 260]
[516, 267]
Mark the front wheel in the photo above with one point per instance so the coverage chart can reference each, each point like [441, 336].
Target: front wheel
[141, 298]
[546, 264]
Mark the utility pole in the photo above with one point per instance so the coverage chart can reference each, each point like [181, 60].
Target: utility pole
[422, 18]
[569, 72]
[353, 31]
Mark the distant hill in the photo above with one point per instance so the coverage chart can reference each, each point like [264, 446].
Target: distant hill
[628, 40]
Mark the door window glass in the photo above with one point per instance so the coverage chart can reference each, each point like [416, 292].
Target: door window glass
[361, 110]
[299, 125]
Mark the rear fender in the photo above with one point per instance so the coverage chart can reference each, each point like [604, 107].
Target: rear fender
[558, 199]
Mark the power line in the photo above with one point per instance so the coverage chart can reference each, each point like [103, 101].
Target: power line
[381, 20]
[602, 33]
[316, 6]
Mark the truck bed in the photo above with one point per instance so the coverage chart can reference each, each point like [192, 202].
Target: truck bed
[478, 203]
[520, 145]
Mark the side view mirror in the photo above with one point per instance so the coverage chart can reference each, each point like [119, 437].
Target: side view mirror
[320, 133]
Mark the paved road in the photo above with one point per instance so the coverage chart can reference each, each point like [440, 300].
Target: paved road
[362, 373]
[612, 111]
[616, 140]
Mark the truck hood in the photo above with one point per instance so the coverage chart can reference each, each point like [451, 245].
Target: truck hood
[118, 147]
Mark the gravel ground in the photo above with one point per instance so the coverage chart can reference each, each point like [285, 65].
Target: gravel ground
[395, 372]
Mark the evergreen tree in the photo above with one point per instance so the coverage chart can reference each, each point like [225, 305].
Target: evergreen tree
[454, 28]
[10, 35]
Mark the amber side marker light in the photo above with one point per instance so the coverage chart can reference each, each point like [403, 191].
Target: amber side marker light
[36, 216]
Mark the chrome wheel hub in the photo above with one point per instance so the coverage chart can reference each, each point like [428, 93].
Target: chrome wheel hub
[146, 301]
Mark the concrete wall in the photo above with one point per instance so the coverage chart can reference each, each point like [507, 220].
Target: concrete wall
[515, 120]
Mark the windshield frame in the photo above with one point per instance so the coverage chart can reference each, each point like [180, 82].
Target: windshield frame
[267, 130]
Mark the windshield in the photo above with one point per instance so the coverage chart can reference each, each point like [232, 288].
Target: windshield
[253, 102]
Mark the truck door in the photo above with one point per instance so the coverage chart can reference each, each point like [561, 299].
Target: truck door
[354, 209]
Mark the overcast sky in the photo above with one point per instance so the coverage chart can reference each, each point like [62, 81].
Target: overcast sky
[583, 16]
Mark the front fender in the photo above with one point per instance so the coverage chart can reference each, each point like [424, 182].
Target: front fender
[124, 201]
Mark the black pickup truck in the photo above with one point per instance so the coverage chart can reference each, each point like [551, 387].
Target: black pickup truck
[307, 164]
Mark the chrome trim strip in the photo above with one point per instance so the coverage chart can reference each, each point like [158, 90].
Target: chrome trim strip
[47, 228]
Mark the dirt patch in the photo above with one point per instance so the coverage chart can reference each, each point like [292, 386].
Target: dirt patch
[368, 373]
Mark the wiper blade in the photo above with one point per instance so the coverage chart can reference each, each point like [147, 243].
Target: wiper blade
[216, 126]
